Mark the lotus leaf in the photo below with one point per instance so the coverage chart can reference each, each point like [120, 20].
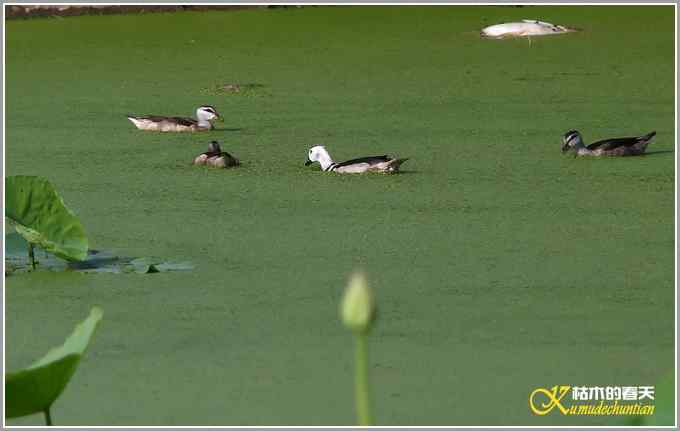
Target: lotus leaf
[39, 215]
[34, 389]
[97, 261]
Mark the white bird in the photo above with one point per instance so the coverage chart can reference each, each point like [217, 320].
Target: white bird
[526, 28]
[383, 164]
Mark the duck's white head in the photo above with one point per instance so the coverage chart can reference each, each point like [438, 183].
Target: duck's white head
[571, 140]
[206, 113]
[318, 154]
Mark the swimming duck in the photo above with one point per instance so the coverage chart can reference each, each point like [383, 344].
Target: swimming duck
[383, 164]
[572, 140]
[205, 115]
[525, 28]
[216, 158]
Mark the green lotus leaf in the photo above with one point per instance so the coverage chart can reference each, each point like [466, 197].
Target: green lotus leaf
[97, 261]
[34, 389]
[39, 215]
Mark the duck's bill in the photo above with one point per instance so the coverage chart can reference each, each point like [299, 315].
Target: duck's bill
[565, 148]
[219, 119]
[308, 162]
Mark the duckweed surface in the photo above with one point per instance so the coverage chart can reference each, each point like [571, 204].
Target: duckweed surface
[499, 265]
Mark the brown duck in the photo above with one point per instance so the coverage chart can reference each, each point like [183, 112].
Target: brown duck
[216, 158]
[633, 146]
[205, 115]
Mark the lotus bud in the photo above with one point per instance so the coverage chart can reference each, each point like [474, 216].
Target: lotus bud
[357, 307]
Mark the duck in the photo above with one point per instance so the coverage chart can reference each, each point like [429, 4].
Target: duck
[384, 164]
[633, 146]
[205, 114]
[525, 28]
[216, 158]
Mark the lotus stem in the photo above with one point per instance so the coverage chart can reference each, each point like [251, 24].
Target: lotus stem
[48, 417]
[31, 255]
[361, 380]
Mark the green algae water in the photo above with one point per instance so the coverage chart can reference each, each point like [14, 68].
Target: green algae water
[499, 265]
